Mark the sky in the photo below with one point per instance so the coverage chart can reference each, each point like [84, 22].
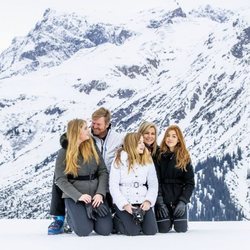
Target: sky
[17, 17]
[32, 234]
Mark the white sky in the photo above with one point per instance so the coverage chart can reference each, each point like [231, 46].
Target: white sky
[18, 17]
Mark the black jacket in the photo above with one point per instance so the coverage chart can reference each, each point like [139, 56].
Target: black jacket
[174, 184]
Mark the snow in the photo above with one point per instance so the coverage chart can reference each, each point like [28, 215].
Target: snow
[32, 234]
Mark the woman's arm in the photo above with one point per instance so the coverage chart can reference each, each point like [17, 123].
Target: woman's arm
[61, 179]
[188, 184]
[114, 187]
[102, 173]
[152, 182]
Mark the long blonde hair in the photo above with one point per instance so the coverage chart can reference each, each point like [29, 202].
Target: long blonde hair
[180, 150]
[86, 149]
[144, 127]
[130, 145]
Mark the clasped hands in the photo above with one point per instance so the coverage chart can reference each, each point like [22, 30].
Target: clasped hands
[94, 206]
[145, 206]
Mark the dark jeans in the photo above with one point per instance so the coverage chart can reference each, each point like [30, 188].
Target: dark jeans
[124, 223]
[57, 206]
[81, 224]
[180, 224]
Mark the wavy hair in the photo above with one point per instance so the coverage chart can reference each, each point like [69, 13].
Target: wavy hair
[130, 145]
[86, 149]
[181, 153]
[144, 127]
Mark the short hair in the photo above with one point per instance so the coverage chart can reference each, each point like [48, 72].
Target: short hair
[102, 112]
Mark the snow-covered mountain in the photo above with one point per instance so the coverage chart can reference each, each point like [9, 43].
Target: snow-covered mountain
[165, 66]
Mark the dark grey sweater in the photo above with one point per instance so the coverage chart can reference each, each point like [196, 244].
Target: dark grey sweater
[75, 188]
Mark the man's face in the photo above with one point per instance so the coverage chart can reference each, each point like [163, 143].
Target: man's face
[99, 127]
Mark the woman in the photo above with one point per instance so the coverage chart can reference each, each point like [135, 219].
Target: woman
[176, 182]
[133, 185]
[82, 176]
[149, 134]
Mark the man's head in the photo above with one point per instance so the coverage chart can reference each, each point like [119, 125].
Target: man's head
[100, 122]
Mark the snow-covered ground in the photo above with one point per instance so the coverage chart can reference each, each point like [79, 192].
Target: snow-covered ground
[32, 234]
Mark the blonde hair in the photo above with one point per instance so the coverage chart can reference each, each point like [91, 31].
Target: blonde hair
[144, 127]
[102, 112]
[86, 149]
[130, 145]
[180, 150]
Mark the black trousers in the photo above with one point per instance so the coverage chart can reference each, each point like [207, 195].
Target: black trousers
[57, 206]
[81, 224]
[180, 224]
[124, 223]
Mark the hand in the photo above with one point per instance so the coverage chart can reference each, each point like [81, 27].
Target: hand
[97, 200]
[85, 198]
[89, 211]
[161, 211]
[180, 209]
[138, 215]
[128, 208]
[102, 210]
[145, 206]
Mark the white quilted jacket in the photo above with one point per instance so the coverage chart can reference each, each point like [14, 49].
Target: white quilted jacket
[130, 187]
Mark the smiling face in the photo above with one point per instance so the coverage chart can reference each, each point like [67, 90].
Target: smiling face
[149, 136]
[84, 133]
[171, 140]
[99, 127]
[141, 146]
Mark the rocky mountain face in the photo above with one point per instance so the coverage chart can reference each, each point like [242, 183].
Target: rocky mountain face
[163, 66]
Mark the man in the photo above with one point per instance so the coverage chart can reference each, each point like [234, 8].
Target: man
[108, 141]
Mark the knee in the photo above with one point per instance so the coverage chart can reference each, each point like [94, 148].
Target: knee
[164, 230]
[180, 228]
[150, 232]
[82, 231]
[164, 227]
[104, 231]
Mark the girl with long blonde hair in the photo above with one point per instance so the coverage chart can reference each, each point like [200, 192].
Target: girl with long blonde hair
[83, 178]
[134, 187]
[176, 182]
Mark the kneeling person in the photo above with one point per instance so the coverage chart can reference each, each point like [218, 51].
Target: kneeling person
[133, 185]
[83, 177]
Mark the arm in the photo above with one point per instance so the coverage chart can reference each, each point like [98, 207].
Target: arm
[152, 185]
[188, 184]
[114, 181]
[61, 178]
[158, 172]
[102, 173]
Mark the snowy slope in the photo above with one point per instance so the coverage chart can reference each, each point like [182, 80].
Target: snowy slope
[165, 66]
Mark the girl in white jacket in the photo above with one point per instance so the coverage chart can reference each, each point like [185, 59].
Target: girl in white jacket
[134, 187]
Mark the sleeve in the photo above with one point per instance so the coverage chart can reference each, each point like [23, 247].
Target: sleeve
[152, 185]
[61, 179]
[158, 172]
[188, 184]
[102, 173]
[114, 181]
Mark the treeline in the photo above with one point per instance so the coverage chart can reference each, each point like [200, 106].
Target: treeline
[211, 200]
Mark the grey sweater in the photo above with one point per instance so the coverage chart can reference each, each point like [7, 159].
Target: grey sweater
[75, 188]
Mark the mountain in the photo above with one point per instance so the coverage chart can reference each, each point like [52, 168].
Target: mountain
[162, 65]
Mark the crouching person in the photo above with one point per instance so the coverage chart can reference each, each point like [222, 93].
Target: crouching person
[82, 176]
[133, 185]
[176, 182]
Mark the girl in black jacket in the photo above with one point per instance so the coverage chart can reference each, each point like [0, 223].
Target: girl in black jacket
[176, 182]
